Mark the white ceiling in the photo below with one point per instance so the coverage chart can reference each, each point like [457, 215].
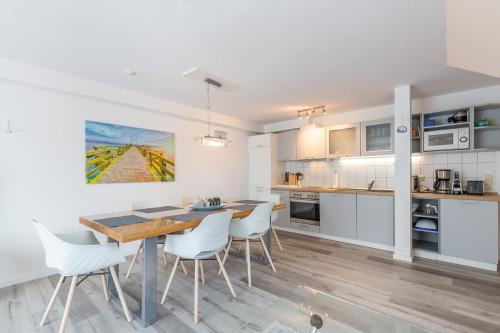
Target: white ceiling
[284, 54]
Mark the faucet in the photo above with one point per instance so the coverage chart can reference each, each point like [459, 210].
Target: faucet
[370, 185]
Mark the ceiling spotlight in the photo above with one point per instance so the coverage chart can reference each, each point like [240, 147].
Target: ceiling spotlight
[324, 111]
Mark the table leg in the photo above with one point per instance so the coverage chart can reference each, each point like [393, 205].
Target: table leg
[149, 281]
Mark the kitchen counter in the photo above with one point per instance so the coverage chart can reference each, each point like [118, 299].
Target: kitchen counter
[326, 189]
[489, 196]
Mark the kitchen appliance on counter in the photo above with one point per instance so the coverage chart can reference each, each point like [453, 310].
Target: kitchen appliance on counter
[442, 182]
[475, 187]
[415, 183]
[447, 139]
[456, 186]
[299, 179]
[290, 178]
[304, 208]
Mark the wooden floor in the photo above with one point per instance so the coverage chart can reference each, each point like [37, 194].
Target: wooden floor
[435, 296]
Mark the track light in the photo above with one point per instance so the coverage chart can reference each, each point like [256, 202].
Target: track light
[307, 113]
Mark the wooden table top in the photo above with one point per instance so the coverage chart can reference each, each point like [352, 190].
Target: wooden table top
[160, 223]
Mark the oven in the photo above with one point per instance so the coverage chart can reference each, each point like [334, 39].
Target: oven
[447, 139]
[304, 208]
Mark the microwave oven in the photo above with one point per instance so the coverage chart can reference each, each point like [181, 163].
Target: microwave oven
[447, 139]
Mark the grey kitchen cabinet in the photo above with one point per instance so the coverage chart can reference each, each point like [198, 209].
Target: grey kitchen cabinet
[287, 145]
[338, 215]
[375, 219]
[377, 137]
[283, 214]
[469, 229]
[343, 141]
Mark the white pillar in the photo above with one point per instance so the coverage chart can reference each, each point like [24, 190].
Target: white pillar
[402, 194]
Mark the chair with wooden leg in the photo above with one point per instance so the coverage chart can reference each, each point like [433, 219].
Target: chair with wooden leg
[205, 241]
[250, 228]
[274, 198]
[79, 255]
[161, 239]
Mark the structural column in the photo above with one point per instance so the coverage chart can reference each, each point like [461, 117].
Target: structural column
[402, 194]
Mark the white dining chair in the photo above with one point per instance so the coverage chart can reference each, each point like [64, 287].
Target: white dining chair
[205, 241]
[75, 255]
[161, 239]
[275, 199]
[252, 227]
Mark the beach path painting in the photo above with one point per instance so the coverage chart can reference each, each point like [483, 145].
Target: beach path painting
[122, 154]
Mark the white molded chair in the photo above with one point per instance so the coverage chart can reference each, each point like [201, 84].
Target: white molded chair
[78, 254]
[205, 241]
[275, 199]
[251, 227]
[161, 239]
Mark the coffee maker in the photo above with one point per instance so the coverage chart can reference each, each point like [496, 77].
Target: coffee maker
[456, 186]
[442, 183]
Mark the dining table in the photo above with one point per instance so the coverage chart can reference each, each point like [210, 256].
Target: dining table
[150, 223]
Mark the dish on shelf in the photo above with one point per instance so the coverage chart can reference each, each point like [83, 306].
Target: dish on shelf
[414, 207]
[426, 225]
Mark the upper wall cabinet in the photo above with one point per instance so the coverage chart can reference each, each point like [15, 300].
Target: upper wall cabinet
[287, 145]
[377, 137]
[311, 143]
[259, 141]
[343, 141]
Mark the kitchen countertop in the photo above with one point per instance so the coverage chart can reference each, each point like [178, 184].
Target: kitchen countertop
[489, 196]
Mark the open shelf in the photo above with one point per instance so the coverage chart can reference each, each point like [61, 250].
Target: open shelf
[446, 126]
[429, 216]
[487, 136]
[425, 245]
[429, 231]
[486, 128]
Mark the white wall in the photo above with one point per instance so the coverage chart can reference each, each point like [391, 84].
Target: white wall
[42, 168]
[472, 41]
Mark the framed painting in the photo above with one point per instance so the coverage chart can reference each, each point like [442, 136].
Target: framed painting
[123, 154]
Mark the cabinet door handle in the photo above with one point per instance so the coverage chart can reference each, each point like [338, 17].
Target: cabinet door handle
[259, 146]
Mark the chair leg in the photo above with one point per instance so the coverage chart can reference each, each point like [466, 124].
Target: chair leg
[267, 253]
[104, 286]
[120, 293]
[169, 282]
[226, 253]
[52, 300]
[134, 260]
[202, 272]
[164, 257]
[67, 307]
[196, 289]
[229, 284]
[184, 268]
[277, 239]
[249, 270]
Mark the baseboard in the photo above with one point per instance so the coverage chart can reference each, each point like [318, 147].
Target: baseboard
[467, 262]
[338, 239]
[11, 281]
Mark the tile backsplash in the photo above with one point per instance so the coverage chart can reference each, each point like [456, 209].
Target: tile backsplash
[359, 171]
[471, 166]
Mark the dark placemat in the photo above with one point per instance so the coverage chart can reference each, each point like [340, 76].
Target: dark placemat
[121, 220]
[193, 215]
[157, 209]
[249, 202]
[242, 207]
